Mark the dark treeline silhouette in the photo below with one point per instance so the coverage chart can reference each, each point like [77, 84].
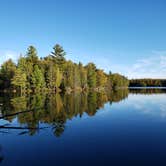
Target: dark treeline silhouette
[54, 73]
[54, 109]
[147, 83]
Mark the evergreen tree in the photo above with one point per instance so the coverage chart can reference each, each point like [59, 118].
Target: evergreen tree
[118, 80]
[68, 75]
[38, 80]
[58, 78]
[53, 76]
[83, 76]
[7, 71]
[77, 83]
[58, 55]
[19, 79]
[26, 66]
[91, 75]
[32, 55]
[101, 78]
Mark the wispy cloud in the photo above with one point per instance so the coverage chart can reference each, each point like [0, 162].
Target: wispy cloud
[5, 55]
[153, 66]
[157, 102]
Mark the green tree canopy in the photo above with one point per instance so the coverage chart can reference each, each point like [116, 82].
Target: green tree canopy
[7, 71]
[91, 75]
[58, 55]
[37, 78]
[19, 79]
[32, 55]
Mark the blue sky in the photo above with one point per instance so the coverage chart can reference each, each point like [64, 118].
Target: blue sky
[125, 36]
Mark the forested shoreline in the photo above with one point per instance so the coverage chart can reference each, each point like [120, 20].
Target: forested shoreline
[54, 73]
[147, 82]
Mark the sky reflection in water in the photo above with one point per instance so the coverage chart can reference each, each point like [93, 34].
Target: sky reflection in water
[118, 128]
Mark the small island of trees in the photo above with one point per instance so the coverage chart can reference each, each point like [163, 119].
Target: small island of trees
[54, 73]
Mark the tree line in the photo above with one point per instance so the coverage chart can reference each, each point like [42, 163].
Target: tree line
[54, 73]
[147, 83]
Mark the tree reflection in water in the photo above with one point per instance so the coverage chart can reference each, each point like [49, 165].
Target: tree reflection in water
[54, 109]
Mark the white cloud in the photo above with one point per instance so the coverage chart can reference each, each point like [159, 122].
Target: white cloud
[153, 66]
[5, 55]
[151, 105]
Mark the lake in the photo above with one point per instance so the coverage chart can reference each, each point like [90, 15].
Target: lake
[115, 128]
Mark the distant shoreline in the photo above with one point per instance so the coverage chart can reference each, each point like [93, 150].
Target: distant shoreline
[153, 87]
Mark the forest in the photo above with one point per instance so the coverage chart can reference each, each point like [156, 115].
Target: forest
[147, 83]
[54, 73]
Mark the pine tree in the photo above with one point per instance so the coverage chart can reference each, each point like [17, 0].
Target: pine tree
[8, 69]
[77, 80]
[58, 78]
[32, 55]
[38, 80]
[83, 76]
[26, 66]
[58, 56]
[68, 79]
[91, 75]
[101, 78]
[19, 79]
[53, 76]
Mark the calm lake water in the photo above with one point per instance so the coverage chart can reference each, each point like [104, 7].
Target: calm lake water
[118, 128]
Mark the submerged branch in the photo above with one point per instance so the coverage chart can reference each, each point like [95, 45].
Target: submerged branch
[17, 113]
[21, 128]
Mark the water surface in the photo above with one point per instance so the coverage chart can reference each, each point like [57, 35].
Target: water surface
[115, 128]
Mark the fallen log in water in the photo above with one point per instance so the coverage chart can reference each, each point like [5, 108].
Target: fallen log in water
[21, 128]
[14, 114]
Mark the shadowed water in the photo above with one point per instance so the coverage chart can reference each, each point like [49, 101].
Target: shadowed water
[113, 128]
